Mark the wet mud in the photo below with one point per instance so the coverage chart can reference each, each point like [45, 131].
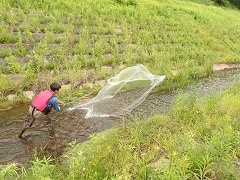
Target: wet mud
[72, 126]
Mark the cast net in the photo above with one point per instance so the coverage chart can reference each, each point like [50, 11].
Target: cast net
[122, 93]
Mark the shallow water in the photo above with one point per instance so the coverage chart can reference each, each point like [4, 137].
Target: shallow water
[71, 126]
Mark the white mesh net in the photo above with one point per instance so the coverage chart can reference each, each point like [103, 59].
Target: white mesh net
[122, 93]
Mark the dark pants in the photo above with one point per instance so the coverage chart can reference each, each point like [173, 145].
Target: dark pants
[34, 114]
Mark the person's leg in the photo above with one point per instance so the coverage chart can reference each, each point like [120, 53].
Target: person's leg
[49, 125]
[27, 123]
[46, 120]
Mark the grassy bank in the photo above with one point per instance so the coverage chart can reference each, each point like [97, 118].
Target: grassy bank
[197, 139]
[78, 42]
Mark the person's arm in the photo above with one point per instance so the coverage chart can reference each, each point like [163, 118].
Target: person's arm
[60, 102]
[55, 104]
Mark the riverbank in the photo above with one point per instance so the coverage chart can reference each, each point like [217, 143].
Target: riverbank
[72, 126]
[199, 134]
[91, 89]
[79, 44]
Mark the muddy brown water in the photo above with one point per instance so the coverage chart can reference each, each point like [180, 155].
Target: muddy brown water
[71, 126]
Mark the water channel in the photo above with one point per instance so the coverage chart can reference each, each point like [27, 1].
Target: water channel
[72, 126]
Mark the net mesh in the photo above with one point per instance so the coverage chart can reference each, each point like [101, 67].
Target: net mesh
[122, 93]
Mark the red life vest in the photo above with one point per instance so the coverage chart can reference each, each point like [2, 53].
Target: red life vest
[40, 101]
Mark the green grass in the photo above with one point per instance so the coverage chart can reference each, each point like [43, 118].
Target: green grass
[183, 37]
[77, 41]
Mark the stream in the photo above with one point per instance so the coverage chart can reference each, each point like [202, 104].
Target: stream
[72, 126]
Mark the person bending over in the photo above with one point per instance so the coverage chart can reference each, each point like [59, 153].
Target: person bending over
[40, 108]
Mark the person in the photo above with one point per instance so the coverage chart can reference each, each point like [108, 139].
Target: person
[40, 108]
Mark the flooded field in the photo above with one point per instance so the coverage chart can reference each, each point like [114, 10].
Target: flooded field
[71, 126]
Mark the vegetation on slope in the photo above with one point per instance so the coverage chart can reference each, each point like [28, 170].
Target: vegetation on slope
[76, 42]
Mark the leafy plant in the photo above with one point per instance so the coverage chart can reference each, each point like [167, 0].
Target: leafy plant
[13, 65]
[8, 171]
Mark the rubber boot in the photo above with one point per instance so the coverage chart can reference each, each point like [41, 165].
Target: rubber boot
[52, 134]
[20, 134]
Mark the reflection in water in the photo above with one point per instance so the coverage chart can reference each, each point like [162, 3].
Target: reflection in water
[72, 126]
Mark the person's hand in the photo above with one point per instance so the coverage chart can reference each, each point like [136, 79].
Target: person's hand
[60, 102]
